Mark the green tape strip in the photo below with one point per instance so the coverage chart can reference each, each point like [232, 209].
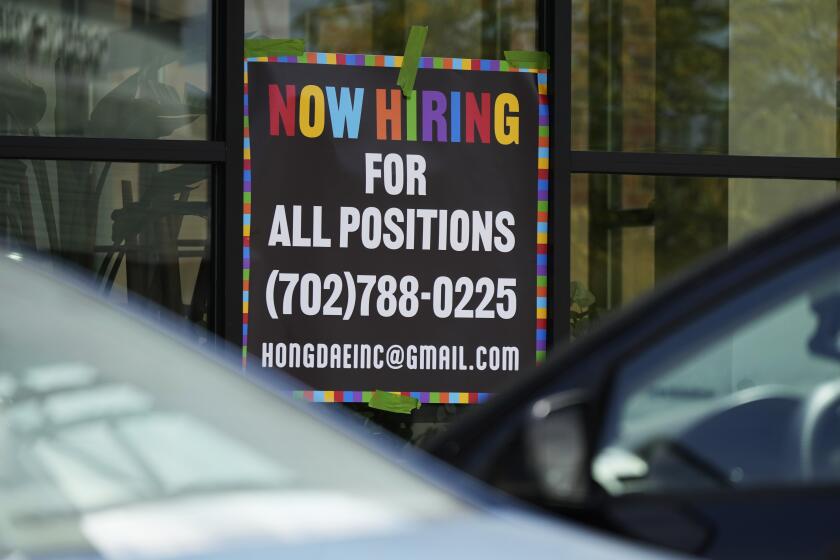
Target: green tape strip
[273, 47]
[411, 58]
[382, 400]
[528, 59]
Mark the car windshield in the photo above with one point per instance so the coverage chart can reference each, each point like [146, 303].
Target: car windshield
[117, 441]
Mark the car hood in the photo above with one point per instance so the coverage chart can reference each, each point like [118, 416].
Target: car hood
[325, 526]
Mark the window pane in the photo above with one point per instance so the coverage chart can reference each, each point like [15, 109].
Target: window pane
[744, 396]
[706, 76]
[469, 29]
[141, 229]
[630, 232]
[104, 68]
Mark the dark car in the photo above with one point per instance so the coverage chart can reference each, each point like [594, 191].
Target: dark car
[706, 418]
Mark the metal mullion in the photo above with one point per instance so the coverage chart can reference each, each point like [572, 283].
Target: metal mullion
[111, 149]
[556, 38]
[228, 224]
[216, 131]
[705, 165]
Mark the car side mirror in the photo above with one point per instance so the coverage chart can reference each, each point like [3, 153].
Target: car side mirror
[557, 447]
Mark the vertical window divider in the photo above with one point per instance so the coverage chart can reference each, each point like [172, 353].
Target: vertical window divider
[555, 37]
[227, 200]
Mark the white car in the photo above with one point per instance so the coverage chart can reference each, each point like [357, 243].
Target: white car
[119, 441]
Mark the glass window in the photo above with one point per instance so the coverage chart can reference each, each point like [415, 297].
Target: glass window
[631, 232]
[105, 68]
[747, 395]
[706, 76]
[141, 228]
[469, 29]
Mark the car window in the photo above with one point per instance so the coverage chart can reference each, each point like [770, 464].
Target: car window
[746, 395]
[117, 440]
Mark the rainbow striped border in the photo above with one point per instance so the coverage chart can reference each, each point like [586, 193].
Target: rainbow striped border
[246, 223]
[387, 61]
[425, 397]
[543, 157]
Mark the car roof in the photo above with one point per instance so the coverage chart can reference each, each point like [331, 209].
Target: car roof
[496, 515]
[70, 292]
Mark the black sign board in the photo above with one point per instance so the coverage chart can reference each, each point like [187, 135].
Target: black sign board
[391, 242]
